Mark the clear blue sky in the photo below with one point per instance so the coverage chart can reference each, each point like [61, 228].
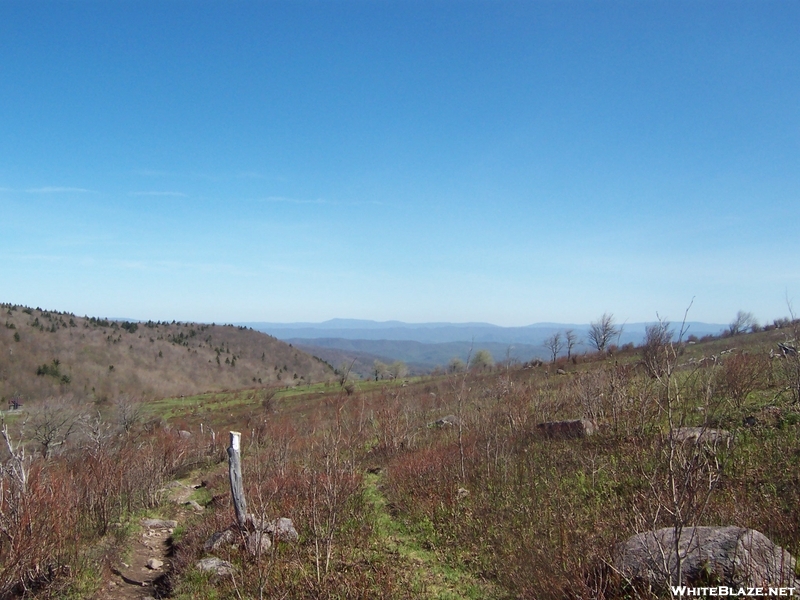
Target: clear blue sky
[422, 161]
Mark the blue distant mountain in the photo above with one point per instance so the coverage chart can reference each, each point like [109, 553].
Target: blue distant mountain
[438, 333]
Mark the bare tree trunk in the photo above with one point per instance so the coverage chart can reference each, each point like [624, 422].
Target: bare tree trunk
[235, 474]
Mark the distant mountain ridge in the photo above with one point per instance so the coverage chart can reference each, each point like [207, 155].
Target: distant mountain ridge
[438, 333]
[419, 357]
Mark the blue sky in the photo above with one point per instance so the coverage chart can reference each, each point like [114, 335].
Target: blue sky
[422, 161]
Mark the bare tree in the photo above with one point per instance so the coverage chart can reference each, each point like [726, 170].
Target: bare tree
[52, 425]
[602, 331]
[19, 465]
[554, 345]
[570, 339]
[129, 412]
[96, 431]
[743, 322]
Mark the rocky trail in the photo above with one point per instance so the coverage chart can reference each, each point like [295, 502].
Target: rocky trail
[140, 574]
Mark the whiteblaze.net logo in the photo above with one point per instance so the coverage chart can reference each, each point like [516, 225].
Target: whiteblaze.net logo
[683, 591]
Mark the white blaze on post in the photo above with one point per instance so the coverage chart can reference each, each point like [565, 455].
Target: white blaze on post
[235, 475]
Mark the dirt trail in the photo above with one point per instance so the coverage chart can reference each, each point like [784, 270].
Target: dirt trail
[136, 578]
[133, 579]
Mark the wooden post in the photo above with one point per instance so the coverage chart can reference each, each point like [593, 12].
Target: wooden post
[235, 474]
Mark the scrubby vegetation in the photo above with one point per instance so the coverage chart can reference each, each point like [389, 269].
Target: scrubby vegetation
[390, 504]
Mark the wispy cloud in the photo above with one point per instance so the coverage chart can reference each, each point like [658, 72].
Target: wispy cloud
[58, 190]
[173, 194]
[321, 201]
[152, 173]
[295, 200]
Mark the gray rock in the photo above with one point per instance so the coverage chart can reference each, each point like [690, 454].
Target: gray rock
[219, 539]
[568, 429]
[194, 506]
[282, 529]
[215, 565]
[159, 524]
[448, 421]
[184, 435]
[730, 556]
[705, 435]
[258, 542]
[154, 564]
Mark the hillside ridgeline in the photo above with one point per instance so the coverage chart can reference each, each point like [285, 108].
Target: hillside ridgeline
[47, 353]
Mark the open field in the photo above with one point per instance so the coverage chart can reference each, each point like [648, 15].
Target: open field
[387, 504]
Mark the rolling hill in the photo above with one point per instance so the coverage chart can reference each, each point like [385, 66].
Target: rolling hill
[46, 353]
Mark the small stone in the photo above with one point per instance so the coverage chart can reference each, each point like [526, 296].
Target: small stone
[154, 564]
[194, 506]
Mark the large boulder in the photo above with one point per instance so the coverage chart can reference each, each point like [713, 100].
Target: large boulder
[702, 435]
[568, 429]
[730, 556]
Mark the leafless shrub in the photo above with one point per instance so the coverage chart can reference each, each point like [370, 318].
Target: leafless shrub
[656, 350]
[741, 374]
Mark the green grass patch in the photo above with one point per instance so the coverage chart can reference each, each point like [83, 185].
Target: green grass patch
[429, 577]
